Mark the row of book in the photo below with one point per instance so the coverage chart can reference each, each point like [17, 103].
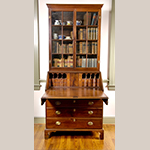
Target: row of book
[63, 62]
[91, 62]
[57, 48]
[81, 47]
[92, 19]
[92, 33]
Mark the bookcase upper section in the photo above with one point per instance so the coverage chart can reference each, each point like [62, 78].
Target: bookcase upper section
[74, 37]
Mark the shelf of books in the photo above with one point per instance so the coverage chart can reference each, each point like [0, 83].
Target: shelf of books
[84, 44]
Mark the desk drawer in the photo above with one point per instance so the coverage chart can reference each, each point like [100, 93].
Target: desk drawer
[74, 103]
[73, 123]
[74, 112]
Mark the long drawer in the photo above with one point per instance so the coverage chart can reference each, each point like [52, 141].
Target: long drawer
[74, 112]
[74, 103]
[73, 123]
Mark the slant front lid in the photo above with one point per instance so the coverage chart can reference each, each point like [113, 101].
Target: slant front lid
[73, 93]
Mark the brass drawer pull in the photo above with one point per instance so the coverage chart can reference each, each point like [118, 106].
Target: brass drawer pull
[74, 120]
[90, 112]
[58, 123]
[90, 103]
[74, 101]
[58, 112]
[57, 102]
[90, 123]
[74, 110]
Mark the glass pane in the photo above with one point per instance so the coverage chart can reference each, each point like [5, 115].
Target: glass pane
[67, 47]
[93, 18]
[68, 32]
[80, 60]
[56, 17]
[92, 61]
[92, 33]
[92, 47]
[81, 33]
[56, 47]
[81, 47]
[56, 32]
[57, 60]
[81, 18]
[68, 18]
[68, 60]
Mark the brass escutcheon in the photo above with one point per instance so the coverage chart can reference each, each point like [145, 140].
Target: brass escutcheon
[57, 102]
[74, 101]
[74, 110]
[90, 103]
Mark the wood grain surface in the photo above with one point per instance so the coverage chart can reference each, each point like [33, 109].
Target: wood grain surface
[70, 140]
[73, 92]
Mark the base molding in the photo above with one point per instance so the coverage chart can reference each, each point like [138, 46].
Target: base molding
[106, 120]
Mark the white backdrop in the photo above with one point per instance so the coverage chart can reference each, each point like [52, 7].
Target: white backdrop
[39, 111]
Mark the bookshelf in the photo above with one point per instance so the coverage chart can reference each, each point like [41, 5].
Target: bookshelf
[74, 81]
[76, 32]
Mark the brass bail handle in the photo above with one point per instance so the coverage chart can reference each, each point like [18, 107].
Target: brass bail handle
[58, 112]
[90, 112]
[58, 123]
[90, 123]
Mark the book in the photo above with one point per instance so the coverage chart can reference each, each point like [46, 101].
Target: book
[64, 48]
[89, 48]
[93, 18]
[93, 47]
[89, 33]
[80, 47]
[84, 47]
[84, 34]
[93, 62]
[89, 18]
[93, 34]
[83, 62]
[77, 61]
[84, 19]
[71, 34]
[96, 19]
[70, 47]
[96, 33]
[89, 62]
[66, 63]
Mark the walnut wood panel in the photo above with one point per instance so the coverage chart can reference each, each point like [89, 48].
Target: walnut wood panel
[74, 79]
[74, 123]
[74, 93]
[74, 103]
[74, 112]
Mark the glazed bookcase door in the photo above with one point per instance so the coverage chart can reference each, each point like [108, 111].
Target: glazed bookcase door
[62, 39]
[74, 39]
[86, 39]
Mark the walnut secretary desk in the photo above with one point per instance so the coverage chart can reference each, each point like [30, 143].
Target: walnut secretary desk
[74, 92]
